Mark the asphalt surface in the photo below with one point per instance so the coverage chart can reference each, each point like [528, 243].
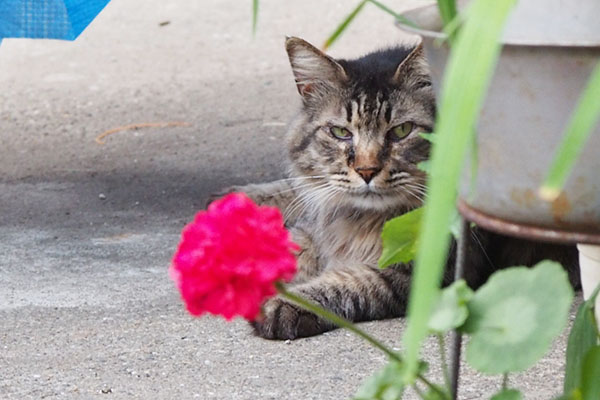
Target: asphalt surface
[87, 230]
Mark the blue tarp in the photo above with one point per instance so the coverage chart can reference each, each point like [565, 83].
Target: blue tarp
[52, 19]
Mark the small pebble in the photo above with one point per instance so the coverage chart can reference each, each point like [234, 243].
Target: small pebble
[102, 196]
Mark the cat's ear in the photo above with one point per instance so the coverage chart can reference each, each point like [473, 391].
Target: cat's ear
[314, 70]
[414, 68]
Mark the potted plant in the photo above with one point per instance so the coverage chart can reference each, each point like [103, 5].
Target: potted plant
[542, 69]
[548, 54]
[500, 192]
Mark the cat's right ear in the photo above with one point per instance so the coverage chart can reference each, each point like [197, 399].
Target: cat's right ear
[315, 71]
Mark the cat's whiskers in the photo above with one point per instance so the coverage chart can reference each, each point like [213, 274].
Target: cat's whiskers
[485, 254]
[302, 177]
[295, 188]
[409, 190]
[316, 197]
[337, 204]
[302, 197]
[294, 205]
[422, 192]
[419, 185]
[321, 197]
[324, 196]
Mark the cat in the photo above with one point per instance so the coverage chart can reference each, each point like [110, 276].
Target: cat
[354, 151]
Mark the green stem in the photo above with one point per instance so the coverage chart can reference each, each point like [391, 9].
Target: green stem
[342, 27]
[450, 18]
[254, 16]
[336, 319]
[581, 125]
[344, 323]
[418, 391]
[444, 361]
[505, 381]
[388, 10]
[447, 10]
[467, 76]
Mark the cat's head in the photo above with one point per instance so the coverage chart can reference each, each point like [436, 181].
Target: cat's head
[357, 139]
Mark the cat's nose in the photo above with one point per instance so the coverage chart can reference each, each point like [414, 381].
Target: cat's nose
[367, 173]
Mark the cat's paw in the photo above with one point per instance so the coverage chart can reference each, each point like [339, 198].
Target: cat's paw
[283, 320]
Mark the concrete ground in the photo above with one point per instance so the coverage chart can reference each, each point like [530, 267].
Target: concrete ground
[87, 230]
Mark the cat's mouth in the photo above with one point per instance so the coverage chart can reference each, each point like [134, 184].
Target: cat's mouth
[374, 198]
[368, 191]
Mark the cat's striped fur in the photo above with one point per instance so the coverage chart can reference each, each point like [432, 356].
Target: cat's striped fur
[354, 150]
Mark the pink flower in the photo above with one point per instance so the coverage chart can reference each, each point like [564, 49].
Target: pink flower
[230, 257]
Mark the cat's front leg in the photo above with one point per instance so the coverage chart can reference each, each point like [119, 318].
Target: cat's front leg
[282, 320]
[307, 259]
[280, 194]
[357, 294]
[277, 193]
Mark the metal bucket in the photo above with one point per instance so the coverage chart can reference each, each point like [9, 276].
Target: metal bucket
[532, 94]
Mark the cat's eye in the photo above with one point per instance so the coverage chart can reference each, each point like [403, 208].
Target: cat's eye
[403, 130]
[340, 133]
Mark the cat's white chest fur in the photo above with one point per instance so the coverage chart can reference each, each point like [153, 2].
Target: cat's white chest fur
[344, 241]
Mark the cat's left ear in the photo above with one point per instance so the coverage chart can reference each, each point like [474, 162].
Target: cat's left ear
[414, 68]
[315, 71]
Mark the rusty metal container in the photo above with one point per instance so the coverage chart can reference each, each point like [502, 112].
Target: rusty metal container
[544, 65]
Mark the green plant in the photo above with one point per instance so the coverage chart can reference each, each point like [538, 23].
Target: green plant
[583, 362]
[580, 126]
[475, 48]
[507, 333]
[537, 316]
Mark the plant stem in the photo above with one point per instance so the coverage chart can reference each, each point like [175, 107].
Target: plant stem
[344, 323]
[467, 76]
[447, 10]
[505, 381]
[254, 16]
[418, 391]
[581, 124]
[339, 321]
[444, 360]
[342, 27]
[388, 10]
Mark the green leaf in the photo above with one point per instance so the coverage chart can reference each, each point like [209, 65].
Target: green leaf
[254, 15]
[425, 166]
[388, 10]
[385, 384]
[342, 27]
[574, 395]
[467, 77]
[399, 237]
[516, 315]
[455, 223]
[344, 24]
[398, 17]
[474, 165]
[590, 375]
[508, 394]
[447, 10]
[436, 394]
[583, 337]
[451, 310]
[430, 137]
[583, 120]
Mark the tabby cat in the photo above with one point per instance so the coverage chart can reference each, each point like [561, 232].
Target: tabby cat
[354, 150]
